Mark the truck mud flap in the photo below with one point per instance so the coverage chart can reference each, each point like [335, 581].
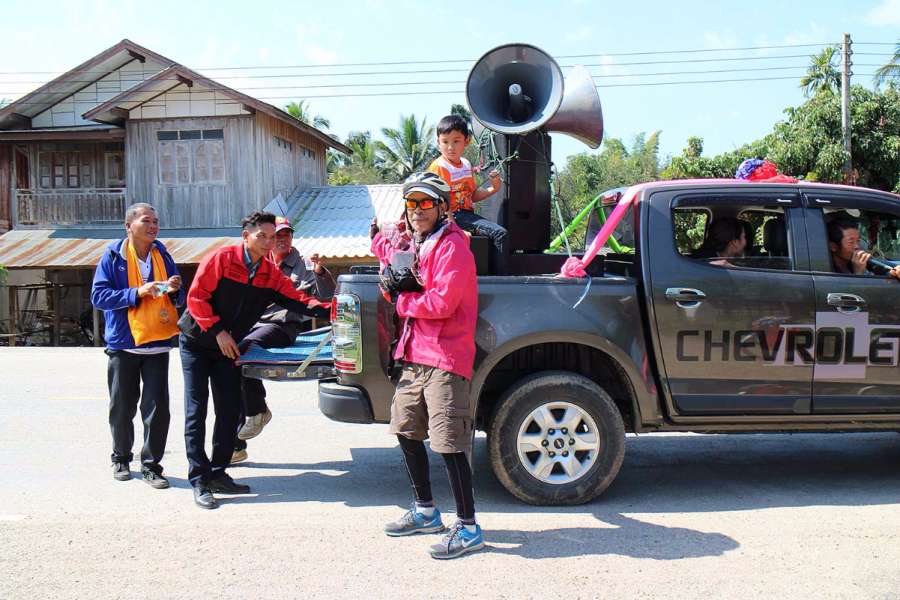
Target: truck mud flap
[310, 357]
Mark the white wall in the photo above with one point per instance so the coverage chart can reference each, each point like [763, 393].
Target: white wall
[68, 112]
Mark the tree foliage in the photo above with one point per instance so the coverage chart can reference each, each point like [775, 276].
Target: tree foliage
[586, 175]
[408, 148]
[887, 72]
[822, 74]
[300, 110]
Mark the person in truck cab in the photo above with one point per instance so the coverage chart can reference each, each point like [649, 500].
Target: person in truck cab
[437, 350]
[847, 255]
[726, 238]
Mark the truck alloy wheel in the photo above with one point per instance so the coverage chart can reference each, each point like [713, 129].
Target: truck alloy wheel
[558, 442]
[556, 438]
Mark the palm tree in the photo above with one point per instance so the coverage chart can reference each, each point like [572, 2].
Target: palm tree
[300, 111]
[822, 75]
[365, 152]
[891, 70]
[409, 148]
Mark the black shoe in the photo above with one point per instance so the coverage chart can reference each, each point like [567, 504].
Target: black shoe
[154, 479]
[224, 484]
[121, 472]
[204, 498]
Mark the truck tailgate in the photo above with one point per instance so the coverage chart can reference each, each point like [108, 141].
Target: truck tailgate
[310, 357]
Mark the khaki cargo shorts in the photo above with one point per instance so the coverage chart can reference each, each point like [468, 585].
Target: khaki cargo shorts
[435, 404]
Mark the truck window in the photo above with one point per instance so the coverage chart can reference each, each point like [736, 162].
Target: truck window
[690, 229]
[733, 236]
[622, 239]
[878, 231]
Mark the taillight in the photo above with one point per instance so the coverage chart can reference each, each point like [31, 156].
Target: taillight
[347, 342]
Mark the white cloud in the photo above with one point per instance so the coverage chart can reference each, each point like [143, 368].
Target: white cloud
[720, 39]
[319, 54]
[886, 13]
[813, 34]
[579, 35]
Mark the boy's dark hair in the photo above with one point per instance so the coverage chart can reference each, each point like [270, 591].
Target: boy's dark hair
[837, 227]
[453, 123]
[255, 219]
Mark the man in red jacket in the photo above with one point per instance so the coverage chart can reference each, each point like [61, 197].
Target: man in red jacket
[437, 350]
[232, 288]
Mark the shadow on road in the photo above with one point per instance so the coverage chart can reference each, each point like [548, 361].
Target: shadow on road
[629, 537]
[661, 474]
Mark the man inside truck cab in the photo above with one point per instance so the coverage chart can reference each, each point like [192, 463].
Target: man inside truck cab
[847, 255]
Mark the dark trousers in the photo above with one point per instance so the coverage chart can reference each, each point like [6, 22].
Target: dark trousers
[498, 235]
[204, 369]
[125, 373]
[253, 393]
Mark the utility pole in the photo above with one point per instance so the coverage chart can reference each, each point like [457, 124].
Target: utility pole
[845, 106]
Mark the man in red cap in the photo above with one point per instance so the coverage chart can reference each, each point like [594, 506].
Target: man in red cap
[279, 327]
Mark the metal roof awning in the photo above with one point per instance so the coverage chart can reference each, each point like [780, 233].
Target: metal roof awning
[79, 132]
[334, 220]
[80, 249]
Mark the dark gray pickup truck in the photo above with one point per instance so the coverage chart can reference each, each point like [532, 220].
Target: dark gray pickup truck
[658, 339]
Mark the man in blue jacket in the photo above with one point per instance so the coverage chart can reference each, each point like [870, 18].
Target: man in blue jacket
[137, 286]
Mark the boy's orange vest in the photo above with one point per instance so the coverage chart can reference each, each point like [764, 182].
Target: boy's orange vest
[460, 179]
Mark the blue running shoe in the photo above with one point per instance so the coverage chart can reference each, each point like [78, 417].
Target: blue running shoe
[413, 521]
[457, 542]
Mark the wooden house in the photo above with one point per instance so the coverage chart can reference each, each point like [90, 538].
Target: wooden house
[130, 125]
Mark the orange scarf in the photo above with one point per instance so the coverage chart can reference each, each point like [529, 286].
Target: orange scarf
[153, 319]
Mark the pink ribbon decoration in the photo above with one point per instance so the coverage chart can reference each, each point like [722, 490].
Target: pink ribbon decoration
[574, 266]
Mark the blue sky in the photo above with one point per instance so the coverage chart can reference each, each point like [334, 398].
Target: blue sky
[48, 36]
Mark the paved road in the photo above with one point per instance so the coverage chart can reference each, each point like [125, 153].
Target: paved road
[745, 516]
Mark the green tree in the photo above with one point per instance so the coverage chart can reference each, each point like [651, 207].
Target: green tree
[808, 142]
[889, 71]
[822, 75]
[691, 164]
[586, 175]
[364, 166]
[409, 148]
[300, 110]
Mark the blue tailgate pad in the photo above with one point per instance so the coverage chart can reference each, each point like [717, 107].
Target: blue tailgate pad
[310, 357]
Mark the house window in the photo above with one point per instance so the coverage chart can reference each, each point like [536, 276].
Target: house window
[72, 169]
[114, 161]
[191, 156]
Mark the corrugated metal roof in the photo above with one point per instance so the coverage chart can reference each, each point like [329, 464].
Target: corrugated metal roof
[334, 220]
[72, 249]
[331, 221]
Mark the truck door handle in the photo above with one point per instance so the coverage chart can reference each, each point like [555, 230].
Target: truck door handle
[849, 302]
[685, 297]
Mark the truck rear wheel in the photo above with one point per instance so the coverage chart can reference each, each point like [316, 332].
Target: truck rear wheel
[556, 438]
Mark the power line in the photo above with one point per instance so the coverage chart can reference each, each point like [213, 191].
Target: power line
[457, 82]
[466, 60]
[435, 71]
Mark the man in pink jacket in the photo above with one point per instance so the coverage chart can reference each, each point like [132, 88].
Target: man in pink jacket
[437, 350]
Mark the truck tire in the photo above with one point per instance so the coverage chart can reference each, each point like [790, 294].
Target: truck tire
[556, 438]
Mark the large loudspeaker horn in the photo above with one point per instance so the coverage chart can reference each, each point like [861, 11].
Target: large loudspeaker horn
[580, 114]
[514, 89]
[517, 88]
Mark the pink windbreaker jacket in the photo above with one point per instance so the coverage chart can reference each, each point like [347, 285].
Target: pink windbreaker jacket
[438, 324]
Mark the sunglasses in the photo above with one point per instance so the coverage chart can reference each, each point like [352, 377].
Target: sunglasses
[424, 204]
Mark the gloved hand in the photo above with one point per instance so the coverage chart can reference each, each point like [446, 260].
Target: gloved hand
[395, 281]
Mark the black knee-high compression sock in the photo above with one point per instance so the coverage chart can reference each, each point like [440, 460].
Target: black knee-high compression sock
[416, 459]
[460, 474]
